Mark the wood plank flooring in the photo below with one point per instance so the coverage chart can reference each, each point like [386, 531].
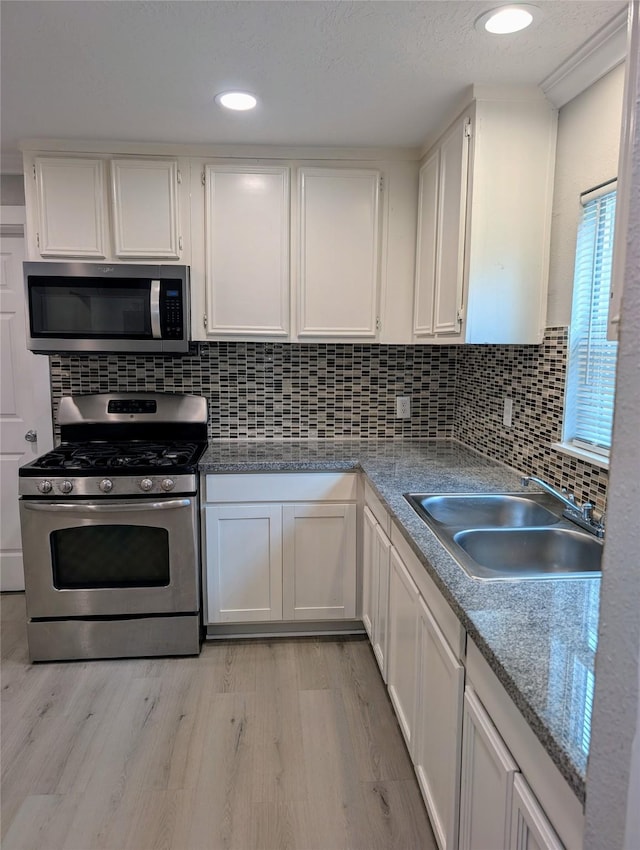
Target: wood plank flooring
[287, 744]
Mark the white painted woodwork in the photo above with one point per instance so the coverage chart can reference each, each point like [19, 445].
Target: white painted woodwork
[425, 282]
[243, 563]
[530, 828]
[403, 645]
[438, 728]
[72, 212]
[382, 564]
[369, 576]
[319, 562]
[25, 398]
[376, 507]
[145, 211]
[493, 222]
[452, 204]
[448, 623]
[338, 252]
[562, 807]
[247, 250]
[487, 781]
[282, 487]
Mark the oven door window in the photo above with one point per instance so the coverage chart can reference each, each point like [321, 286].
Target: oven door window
[110, 556]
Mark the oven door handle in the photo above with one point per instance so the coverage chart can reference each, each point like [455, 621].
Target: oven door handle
[99, 507]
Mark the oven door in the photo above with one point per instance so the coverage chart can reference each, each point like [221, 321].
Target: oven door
[110, 558]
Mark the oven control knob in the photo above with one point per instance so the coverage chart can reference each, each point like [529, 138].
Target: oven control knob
[65, 486]
[45, 486]
[168, 484]
[146, 484]
[106, 485]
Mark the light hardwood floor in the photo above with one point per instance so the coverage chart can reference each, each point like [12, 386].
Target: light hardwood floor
[287, 744]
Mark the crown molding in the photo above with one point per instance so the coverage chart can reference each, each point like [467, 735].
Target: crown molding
[597, 56]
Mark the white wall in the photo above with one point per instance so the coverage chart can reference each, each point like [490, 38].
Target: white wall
[587, 154]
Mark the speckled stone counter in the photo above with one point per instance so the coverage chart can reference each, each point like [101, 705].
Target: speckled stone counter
[539, 637]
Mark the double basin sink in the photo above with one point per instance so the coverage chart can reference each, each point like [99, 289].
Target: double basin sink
[509, 536]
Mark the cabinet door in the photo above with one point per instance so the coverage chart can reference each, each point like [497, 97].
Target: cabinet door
[247, 250]
[369, 574]
[426, 246]
[145, 208]
[319, 569]
[403, 634]
[438, 735]
[487, 781]
[243, 563]
[338, 252]
[381, 561]
[452, 207]
[530, 829]
[71, 207]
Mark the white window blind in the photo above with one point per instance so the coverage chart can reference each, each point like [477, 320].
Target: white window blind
[592, 358]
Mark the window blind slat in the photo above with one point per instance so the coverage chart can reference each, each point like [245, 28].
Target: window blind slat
[592, 358]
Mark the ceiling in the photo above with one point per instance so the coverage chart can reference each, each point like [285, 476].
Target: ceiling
[334, 73]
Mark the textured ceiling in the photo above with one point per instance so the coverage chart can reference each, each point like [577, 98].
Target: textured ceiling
[327, 73]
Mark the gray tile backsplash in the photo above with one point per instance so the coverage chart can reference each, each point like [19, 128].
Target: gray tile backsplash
[283, 391]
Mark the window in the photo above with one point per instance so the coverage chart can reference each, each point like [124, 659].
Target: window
[592, 357]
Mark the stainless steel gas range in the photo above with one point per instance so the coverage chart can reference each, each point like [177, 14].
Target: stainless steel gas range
[110, 529]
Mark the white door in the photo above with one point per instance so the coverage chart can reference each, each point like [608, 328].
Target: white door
[530, 829]
[403, 641]
[25, 398]
[319, 562]
[243, 563]
[381, 560]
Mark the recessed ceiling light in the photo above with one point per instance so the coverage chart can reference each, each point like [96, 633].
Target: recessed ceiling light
[238, 100]
[507, 19]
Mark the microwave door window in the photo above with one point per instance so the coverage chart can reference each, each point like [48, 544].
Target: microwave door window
[92, 311]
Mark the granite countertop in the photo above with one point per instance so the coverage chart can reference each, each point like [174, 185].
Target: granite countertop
[539, 637]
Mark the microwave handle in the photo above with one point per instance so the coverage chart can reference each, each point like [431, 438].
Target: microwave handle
[156, 331]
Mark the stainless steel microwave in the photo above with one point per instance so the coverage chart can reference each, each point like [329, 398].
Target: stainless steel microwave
[88, 307]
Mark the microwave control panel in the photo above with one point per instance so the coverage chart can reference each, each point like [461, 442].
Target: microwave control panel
[171, 309]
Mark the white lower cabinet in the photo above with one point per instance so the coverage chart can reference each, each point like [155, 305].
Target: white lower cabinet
[530, 829]
[271, 559]
[403, 645]
[437, 728]
[487, 781]
[375, 587]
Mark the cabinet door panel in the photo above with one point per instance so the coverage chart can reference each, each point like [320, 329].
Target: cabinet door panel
[426, 246]
[369, 576]
[382, 556]
[452, 205]
[71, 207]
[403, 633]
[247, 250]
[338, 252]
[145, 208]
[319, 578]
[487, 781]
[530, 829]
[439, 728]
[244, 563]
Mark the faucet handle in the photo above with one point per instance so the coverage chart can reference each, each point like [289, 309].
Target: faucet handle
[587, 511]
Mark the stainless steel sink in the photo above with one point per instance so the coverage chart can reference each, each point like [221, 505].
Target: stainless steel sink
[509, 536]
[478, 511]
[531, 552]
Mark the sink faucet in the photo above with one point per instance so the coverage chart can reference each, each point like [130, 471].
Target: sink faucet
[582, 514]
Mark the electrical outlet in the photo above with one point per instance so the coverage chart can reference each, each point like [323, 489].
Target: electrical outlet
[403, 406]
[507, 413]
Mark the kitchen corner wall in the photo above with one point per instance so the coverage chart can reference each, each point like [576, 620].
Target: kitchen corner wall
[283, 391]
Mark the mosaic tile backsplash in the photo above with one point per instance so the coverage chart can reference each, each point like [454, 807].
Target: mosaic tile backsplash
[282, 391]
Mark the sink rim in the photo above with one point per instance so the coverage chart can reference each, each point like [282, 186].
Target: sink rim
[543, 500]
[445, 534]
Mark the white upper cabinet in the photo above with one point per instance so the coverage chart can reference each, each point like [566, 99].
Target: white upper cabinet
[145, 208]
[338, 237]
[484, 223]
[100, 208]
[247, 250]
[71, 208]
